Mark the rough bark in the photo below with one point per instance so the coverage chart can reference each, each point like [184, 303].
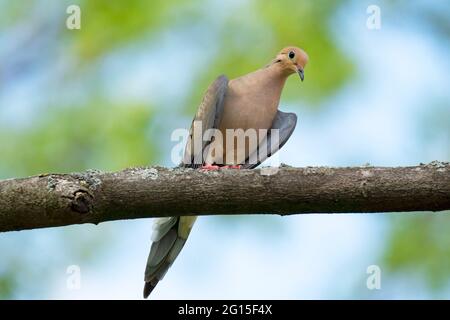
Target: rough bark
[91, 197]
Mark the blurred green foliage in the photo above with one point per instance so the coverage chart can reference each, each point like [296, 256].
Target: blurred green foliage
[96, 135]
[420, 244]
[109, 24]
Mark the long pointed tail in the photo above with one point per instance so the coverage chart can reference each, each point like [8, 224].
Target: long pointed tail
[169, 236]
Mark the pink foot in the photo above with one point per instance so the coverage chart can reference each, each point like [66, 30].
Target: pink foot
[209, 167]
[232, 167]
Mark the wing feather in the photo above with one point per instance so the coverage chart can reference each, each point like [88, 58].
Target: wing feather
[285, 122]
[209, 115]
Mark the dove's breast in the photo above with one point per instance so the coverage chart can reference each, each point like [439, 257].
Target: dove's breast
[251, 102]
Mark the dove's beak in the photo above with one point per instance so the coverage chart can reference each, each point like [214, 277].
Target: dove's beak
[301, 73]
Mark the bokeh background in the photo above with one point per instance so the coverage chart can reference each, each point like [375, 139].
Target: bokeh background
[109, 95]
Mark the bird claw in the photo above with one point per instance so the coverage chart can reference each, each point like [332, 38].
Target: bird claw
[232, 167]
[209, 167]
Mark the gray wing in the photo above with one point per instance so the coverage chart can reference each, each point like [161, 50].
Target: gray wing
[285, 122]
[209, 115]
[170, 233]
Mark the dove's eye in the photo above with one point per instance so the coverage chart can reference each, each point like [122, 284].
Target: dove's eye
[291, 55]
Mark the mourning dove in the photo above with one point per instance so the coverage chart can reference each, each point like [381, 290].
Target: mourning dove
[247, 102]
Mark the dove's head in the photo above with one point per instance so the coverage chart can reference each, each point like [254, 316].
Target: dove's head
[292, 60]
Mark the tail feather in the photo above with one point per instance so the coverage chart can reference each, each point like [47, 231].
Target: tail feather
[148, 288]
[159, 251]
[171, 234]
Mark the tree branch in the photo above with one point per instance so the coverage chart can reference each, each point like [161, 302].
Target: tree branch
[91, 197]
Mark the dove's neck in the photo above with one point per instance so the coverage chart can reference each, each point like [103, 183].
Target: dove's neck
[263, 87]
[275, 77]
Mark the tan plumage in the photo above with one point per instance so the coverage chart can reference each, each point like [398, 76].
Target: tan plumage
[252, 101]
[247, 102]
